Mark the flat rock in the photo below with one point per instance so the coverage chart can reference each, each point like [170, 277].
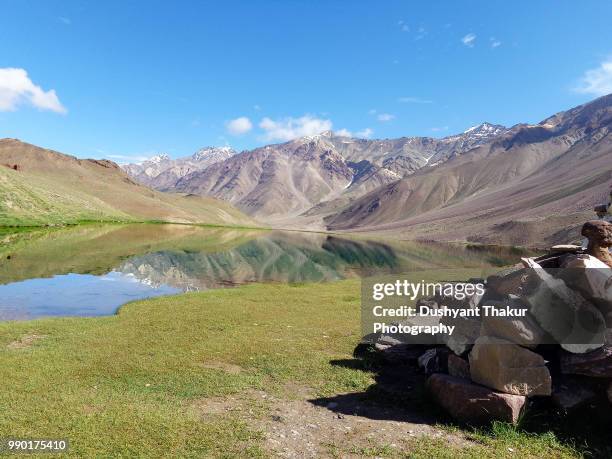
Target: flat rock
[596, 364]
[567, 248]
[474, 404]
[509, 368]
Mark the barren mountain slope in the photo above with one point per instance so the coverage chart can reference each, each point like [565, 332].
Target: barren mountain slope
[39, 186]
[325, 171]
[535, 183]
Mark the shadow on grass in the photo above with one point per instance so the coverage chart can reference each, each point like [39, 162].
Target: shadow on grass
[398, 394]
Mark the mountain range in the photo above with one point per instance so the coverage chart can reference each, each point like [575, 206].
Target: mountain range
[161, 172]
[282, 182]
[491, 184]
[523, 185]
[44, 187]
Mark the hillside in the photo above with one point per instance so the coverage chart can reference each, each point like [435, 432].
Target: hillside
[42, 187]
[534, 183]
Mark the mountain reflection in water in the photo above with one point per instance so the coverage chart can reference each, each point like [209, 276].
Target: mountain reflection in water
[67, 272]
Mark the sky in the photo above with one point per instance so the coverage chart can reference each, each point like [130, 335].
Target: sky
[126, 80]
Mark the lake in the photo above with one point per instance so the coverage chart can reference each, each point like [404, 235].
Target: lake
[92, 270]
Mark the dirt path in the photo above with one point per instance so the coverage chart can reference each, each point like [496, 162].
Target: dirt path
[300, 426]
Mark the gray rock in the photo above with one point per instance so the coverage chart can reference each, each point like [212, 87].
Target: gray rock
[434, 360]
[519, 330]
[567, 316]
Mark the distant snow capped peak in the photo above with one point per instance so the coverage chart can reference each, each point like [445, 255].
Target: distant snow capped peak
[486, 129]
[207, 153]
[158, 158]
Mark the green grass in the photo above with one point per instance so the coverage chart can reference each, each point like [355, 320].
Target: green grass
[126, 385]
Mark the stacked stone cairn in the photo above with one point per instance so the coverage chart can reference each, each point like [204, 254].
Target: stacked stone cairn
[491, 367]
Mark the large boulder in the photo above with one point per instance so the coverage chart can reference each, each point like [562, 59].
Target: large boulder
[519, 330]
[473, 404]
[509, 368]
[596, 364]
[576, 324]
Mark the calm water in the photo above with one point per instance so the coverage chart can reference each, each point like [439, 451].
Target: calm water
[93, 270]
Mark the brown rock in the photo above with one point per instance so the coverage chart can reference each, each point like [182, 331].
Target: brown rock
[458, 367]
[509, 368]
[566, 248]
[599, 234]
[474, 404]
[597, 364]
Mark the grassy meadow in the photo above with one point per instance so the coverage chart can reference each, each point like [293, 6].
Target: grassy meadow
[161, 378]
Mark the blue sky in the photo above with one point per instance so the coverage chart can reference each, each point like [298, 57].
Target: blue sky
[128, 79]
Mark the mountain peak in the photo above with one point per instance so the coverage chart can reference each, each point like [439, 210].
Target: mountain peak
[485, 128]
[158, 158]
[208, 152]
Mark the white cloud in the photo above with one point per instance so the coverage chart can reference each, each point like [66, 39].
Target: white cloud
[372, 111]
[439, 129]
[494, 42]
[414, 100]
[292, 128]
[344, 133]
[597, 81]
[256, 107]
[239, 126]
[469, 40]
[365, 134]
[385, 117]
[65, 20]
[16, 88]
